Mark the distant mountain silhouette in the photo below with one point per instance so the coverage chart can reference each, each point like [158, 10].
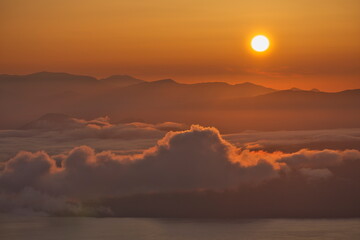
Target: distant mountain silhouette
[46, 83]
[303, 99]
[45, 76]
[59, 81]
[296, 89]
[121, 80]
[55, 86]
[169, 95]
[66, 80]
[226, 106]
[204, 90]
[294, 94]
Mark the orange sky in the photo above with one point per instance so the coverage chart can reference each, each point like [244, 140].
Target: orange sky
[314, 43]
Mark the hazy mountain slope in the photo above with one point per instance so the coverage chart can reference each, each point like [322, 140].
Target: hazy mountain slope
[46, 77]
[169, 93]
[229, 107]
[121, 80]
[48, 83]
[292, 99]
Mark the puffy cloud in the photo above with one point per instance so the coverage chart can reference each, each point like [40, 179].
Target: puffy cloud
[26, 169]
[191, 160]
[188, 160]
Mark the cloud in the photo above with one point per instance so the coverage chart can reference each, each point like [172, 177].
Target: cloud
[314, 174]
[100, 127]
[59, 133]
[304, 193]
[188, 160]
[193, 160]
[291, 141]
[26, 169]
[317, 159]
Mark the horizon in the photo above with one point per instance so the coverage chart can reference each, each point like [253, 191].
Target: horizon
[170, 78]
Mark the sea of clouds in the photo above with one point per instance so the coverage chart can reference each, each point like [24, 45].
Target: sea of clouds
[74, 165]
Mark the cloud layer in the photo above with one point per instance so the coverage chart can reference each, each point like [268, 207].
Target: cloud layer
[59, 133]
[291, 141]
[193, 160]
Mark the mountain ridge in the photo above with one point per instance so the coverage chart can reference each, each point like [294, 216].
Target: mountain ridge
[230, 107]
[45, 75]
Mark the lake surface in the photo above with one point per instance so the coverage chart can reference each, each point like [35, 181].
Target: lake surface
[14, 228]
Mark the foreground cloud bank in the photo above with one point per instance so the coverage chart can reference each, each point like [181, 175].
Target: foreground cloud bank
[195, 160]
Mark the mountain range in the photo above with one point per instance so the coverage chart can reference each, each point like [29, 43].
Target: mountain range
[230, 107]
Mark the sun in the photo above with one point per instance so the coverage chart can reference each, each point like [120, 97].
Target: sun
[260, 43]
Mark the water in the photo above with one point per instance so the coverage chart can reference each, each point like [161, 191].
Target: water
[52, 228]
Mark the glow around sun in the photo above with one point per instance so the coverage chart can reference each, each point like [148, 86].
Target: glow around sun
[260, 43]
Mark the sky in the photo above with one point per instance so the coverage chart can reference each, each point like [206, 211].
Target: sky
[314, 44]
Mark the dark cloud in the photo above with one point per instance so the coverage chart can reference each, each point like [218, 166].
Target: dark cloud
[296, 194]
[26, 169]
